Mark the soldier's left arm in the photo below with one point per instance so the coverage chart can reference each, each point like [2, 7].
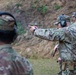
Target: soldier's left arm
[52, 34]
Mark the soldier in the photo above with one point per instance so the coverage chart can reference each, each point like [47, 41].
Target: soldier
[67, 19]
[67, 41]
[74, 16]
[11, 63]
[74, 21]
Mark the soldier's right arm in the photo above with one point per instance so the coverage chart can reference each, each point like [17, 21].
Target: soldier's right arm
[53, 34]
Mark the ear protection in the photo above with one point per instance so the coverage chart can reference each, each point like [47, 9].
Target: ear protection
[63, 23]
[75, 16]
[6, 13]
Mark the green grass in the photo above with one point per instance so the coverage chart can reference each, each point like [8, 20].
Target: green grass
[45, 66]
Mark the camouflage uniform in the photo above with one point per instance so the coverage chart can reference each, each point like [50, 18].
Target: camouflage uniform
[11, 63]
[63, 64]
[60, 18]
[66, 37]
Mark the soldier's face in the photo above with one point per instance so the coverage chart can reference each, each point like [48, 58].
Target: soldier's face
[59, 26]
[74, 19]
[68, 23]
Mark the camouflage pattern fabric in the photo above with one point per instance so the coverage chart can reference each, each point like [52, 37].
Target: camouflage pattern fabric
[7, 23]
[66, 37]
[12, 63]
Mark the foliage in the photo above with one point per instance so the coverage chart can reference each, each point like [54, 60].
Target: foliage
[42, 9]
[34, 4]
[21, 30]
[57, 7]
[18, 4]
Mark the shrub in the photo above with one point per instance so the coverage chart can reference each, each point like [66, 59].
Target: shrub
[34, 4]
[57, 7]
[18, 4]
[21, 30]
[42, 9]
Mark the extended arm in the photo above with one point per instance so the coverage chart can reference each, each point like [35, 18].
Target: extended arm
[50, 34]
[53, 34]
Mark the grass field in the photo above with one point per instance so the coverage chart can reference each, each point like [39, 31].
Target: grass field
[45, 66]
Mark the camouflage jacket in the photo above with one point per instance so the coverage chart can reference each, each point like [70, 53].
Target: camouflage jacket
[12, 63]
[66, 37]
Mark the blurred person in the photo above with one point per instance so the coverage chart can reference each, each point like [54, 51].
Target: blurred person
[74, 16]
[11, 63]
